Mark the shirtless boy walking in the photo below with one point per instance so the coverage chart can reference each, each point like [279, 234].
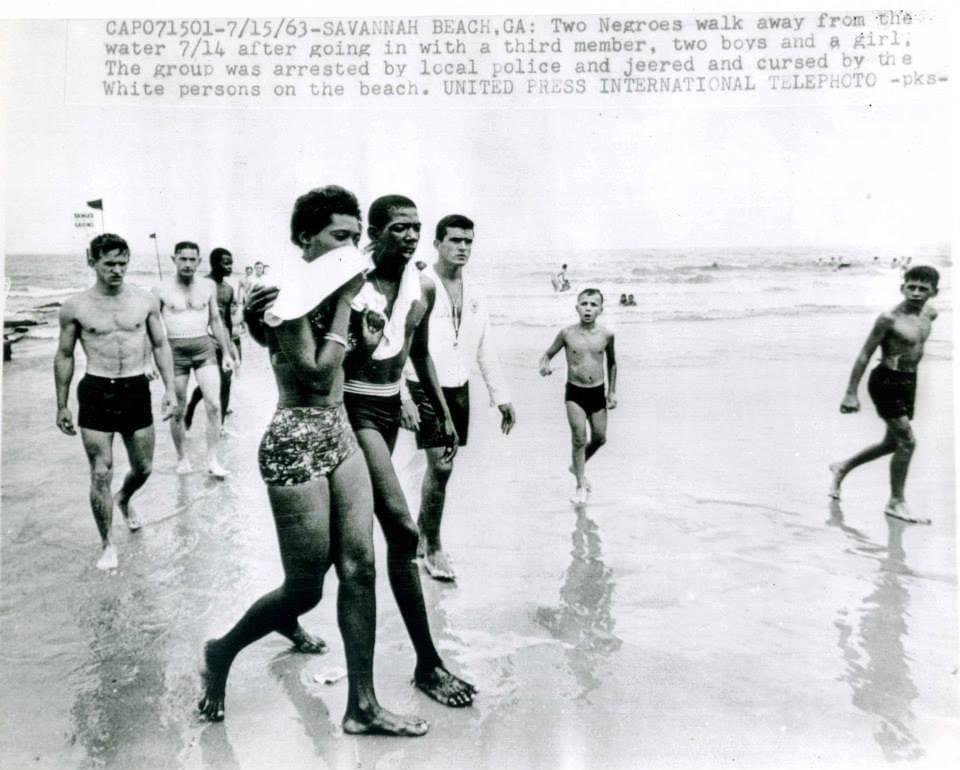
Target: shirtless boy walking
[900, 333]
[188, 305]
[112, 322]
[585, 344]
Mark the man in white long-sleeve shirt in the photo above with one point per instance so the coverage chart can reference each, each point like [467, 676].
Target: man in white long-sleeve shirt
[458, 336]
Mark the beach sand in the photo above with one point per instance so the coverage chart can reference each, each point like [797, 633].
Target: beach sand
[707, 608]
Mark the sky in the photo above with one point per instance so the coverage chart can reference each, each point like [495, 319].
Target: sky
[682, 175]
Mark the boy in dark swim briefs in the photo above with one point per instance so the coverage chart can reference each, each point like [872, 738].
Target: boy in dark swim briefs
[585, 344]
[900, 333]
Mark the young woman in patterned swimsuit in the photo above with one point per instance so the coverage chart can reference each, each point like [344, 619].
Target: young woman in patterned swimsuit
[318, 486]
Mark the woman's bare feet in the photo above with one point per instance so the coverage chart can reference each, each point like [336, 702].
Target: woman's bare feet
[214, 676]
[306, 642]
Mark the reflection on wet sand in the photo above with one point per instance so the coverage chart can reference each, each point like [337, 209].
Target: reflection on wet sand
[289, 669]
[123, 664]
[584, 621]
[215, 748]
[140, 666]
[881, 682]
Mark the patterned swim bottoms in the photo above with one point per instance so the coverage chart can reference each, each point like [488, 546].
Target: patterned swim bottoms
[304, 443]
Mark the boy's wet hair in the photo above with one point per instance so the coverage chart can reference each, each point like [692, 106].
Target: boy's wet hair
[107, 242]
[217, 255]
[924, 274]
[182, 245]
[591, 291]
[314, 210]
[383, 207]
[453, 220]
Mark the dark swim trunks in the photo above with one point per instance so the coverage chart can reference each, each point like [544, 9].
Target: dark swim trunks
[304, 443]
[458, 401]
[191, 353]
[120, 405]
[893, 393]
[379, 413]
[589, 399]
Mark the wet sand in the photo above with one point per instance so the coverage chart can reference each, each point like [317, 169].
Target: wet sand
[708, 607]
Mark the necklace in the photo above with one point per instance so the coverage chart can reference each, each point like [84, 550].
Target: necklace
[456, 309]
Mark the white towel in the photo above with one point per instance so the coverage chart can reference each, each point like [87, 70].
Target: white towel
[304, 285]
[370, 298]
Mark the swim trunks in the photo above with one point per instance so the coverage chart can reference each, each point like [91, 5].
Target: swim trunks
[893, 393]
[303, 443]
[114, 405]
[458, 401]
[191, 353]
[379, 413]
[589, 399]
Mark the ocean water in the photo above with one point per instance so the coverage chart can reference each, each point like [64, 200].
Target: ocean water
[668, 285]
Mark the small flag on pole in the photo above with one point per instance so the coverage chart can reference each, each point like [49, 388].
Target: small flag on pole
[97, 204]
[153, 235]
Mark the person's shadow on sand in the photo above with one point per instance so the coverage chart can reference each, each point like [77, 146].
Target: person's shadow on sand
[881, 680]
[584, 620]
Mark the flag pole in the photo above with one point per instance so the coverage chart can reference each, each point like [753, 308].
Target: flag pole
[157, 249]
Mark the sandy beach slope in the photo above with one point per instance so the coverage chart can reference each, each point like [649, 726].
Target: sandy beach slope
[707, 608]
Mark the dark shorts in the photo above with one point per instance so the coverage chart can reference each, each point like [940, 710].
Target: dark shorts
[379, 413]
[589, 399]
[120, 405]
[191, 353]
[458, 401]
[305, 443]
[893, 393]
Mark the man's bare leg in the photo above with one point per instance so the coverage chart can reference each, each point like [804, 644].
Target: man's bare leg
[351, 519]
[99, 448]
[840, 469]
[140, 453]
[598, 437]
[402, 538]
[899, 465]
[208, 378]
[432, 497]
[577, 419]
[176, 423]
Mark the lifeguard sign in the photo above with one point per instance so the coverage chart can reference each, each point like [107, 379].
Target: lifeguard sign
[84, 219]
